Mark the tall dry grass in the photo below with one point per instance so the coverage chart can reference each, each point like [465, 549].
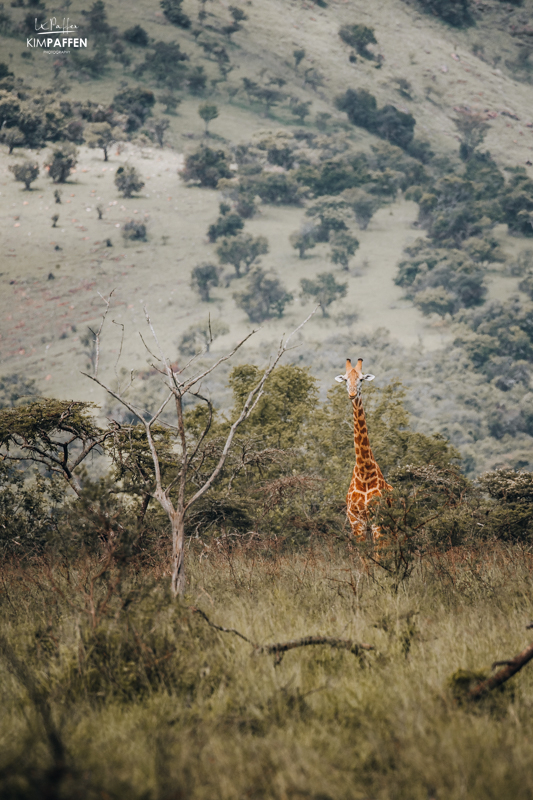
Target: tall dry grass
[111, 689]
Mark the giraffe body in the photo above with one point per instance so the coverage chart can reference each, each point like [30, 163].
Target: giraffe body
[367, 479]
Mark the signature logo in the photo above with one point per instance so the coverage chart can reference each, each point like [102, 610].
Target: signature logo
[51, 30]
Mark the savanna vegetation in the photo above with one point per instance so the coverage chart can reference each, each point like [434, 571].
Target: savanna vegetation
[185, 612]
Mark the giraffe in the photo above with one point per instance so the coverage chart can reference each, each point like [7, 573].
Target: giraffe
[367, 479]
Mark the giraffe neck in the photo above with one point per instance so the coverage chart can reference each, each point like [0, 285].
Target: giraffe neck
[364, 458]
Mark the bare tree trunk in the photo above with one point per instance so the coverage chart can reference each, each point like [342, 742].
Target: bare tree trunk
[179, 580]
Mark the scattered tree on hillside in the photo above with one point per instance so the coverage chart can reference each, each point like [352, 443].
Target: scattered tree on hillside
[455, 12]
[128, 180]
[97, 18]
[199, 337]
[13, 137]
[300, 108]
[208, 112]
[228, 224]
[204, 277]
[358, 37]
[26, 172]
[160, 127]
[343, 246]
[298, 56]
[167, 63]
[324, 290]
[62, 161]
[170, 101]
[101, 135]
[136, 35]
[137, 104]
[472, 127]
[264, 296]
[364, 206]
[242, 250]
[206, 166]
[134, 231]
[304, 239]
[174, 13]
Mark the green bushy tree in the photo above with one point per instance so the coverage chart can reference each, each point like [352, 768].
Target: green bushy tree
[204, 277]
[128, 180]
[264, 296]
[228, 224]
[242, 251]
[343, 246]
[62, 162]
[206, 166]
[324, 290]
[26, 172]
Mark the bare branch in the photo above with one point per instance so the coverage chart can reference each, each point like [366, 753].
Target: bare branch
[511, 668]
[281, 647]
[99, 331]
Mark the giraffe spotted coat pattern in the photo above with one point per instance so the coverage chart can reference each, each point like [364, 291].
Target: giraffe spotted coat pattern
[367, 479]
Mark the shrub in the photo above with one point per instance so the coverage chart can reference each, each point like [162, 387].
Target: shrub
[304, 239]
[364, 206]
[26, 173]
[324, 290]
[455, 12]
[63, 160]
[13, 137]
[360, 106]
[278, 189]
[203, 278]
[134, 231]
[358, 37]
[264, 297]
[173, 12]
[166, 63]
[206, 166]
[128, 180]
[136, 103]
[517, 204]
[387, 122]
[343, 247]
[395, 126]
[242, 250]
[136, 35]
[332, 216]
[460, 281]
[228, 224]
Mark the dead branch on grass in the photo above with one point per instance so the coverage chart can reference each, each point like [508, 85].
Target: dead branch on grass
[279, 648]
[511, 668]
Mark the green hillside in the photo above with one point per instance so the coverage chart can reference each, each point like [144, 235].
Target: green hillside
[276, 77]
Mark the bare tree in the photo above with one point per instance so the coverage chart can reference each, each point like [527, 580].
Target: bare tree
[177, 386]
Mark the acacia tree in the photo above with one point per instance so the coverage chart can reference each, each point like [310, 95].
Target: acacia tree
[59, 434]
[174, 487]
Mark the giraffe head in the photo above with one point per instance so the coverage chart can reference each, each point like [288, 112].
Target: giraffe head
[354, 378]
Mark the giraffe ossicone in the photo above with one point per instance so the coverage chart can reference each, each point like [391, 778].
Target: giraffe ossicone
[367, 479]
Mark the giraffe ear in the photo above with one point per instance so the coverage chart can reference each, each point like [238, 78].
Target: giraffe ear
[340, 378]
[368, 377]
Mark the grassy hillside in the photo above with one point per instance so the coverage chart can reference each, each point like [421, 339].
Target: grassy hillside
[52, 277]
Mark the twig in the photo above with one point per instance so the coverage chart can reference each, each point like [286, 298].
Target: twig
[219, 627]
